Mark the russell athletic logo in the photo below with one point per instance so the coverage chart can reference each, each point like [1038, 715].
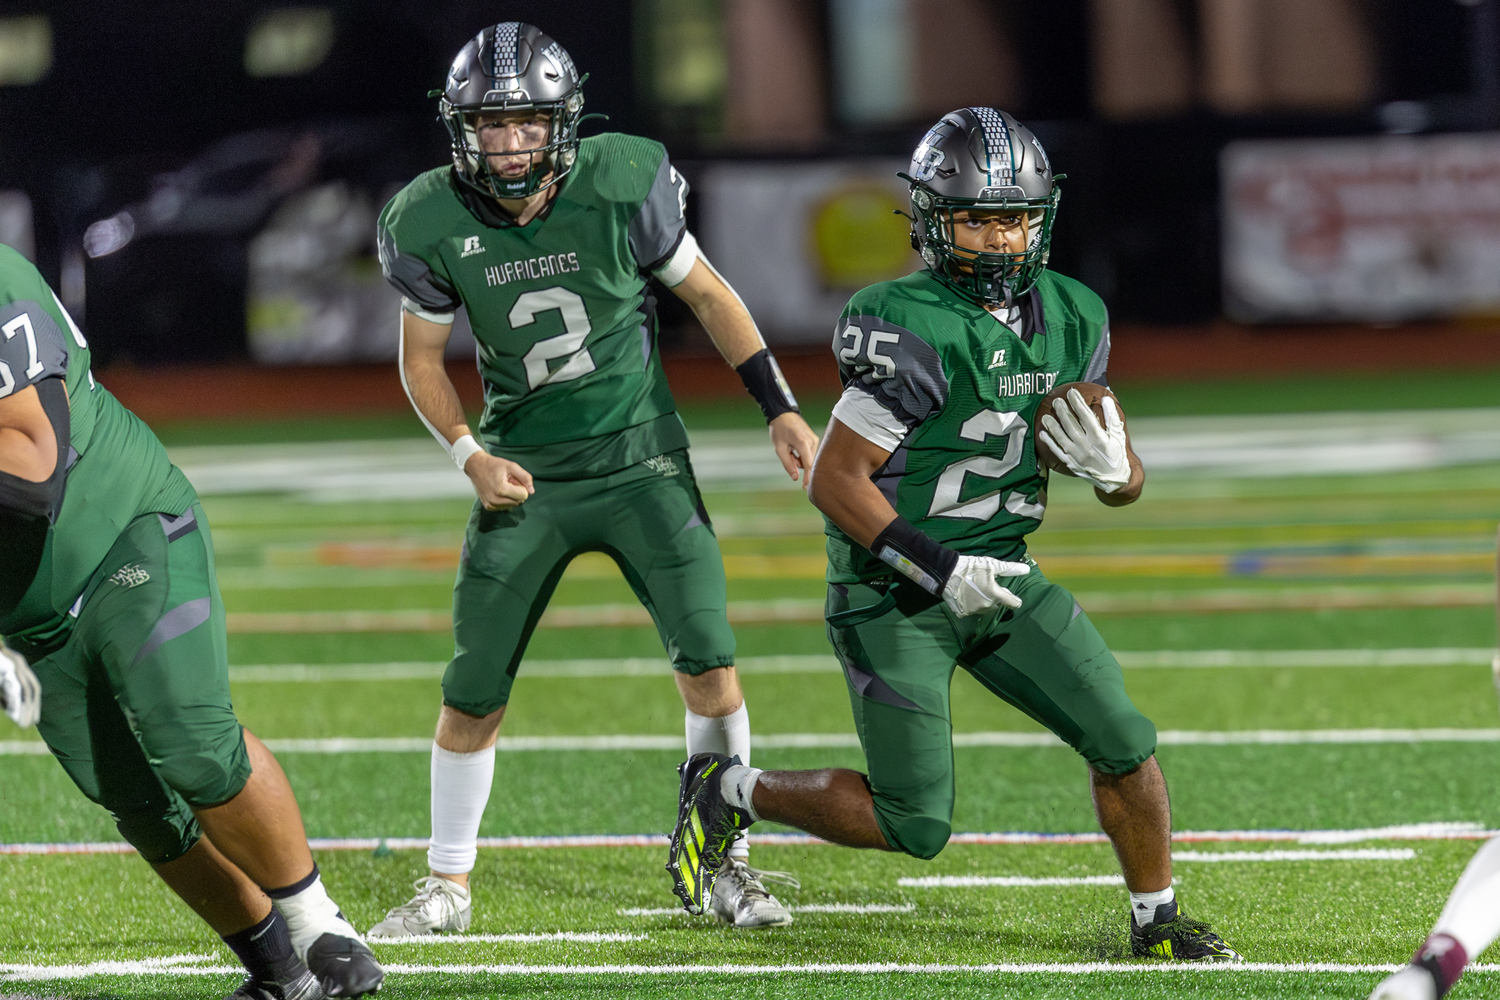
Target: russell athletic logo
[471, 246]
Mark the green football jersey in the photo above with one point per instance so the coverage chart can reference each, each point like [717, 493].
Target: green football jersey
[573, 382]
[117, 469]
[951, 390]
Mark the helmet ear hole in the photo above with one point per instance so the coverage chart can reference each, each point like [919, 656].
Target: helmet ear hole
[916, 243]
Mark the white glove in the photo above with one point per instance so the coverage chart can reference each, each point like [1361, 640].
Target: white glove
[972, 587]
[1091, 452]
[20, 692]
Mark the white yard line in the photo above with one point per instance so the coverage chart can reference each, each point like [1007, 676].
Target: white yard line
[1362, 854]
[578, 937]
[976, 881]
[293, 673]
[158, 967]
[677, 911]
[1410, 831]
[782, 741]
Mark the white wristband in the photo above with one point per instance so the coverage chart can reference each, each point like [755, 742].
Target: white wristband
[464, 449]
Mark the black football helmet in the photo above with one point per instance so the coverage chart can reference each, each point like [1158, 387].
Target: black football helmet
[512, 66]
[981, 158]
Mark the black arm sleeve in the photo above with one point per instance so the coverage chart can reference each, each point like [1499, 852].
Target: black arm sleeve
[27, 509]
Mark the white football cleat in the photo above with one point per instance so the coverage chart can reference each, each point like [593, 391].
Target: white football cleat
[741, 898]
[438, 906]
[1411, 983]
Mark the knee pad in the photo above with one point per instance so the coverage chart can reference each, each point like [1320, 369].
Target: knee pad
[159, 836]
[921, 836]
[207, 777]
[1123, 743]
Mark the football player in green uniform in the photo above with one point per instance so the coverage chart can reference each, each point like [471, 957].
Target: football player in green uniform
[547, 242]
[929, 481]
[118, 656]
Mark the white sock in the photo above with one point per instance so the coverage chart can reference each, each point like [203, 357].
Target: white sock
[1143, 905]
[737, 785]
[1471, 916]
[310, 914]
[460, 790]
[729, 734]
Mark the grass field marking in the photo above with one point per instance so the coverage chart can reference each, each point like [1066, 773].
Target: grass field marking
[168, 965]
[293, 673]
[1362, 854]
[975, 881]
[1412, 831]
[677, 911]
[783, 741]
[155, 967]
[811, 609]
[1284, 658]
[577, 937]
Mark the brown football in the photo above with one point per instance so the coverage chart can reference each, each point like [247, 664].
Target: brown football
[1093, 394]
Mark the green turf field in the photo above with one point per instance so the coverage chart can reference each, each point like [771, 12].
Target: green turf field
[1326, 568]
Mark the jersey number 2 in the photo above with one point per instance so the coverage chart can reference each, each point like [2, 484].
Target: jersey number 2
[985, 424]
[575, 317]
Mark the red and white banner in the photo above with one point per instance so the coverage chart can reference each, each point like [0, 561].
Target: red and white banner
[1370, 229]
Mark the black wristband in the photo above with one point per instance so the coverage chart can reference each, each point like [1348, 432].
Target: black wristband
[766, 385]
[914, 554]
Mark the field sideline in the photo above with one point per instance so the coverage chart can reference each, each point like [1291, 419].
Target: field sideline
[1331, 760]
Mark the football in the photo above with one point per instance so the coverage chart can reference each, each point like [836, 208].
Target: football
[1093, 394]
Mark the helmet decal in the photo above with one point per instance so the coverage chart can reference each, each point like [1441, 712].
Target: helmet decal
[560, 58]
[503, 49]
[927, 159]
[996, 146]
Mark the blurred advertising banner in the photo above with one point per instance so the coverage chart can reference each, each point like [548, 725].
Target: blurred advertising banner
[1370, 229]
[796, 240]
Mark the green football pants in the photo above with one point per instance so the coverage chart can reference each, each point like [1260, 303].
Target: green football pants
[649, 518]
[135, 705]
[898, 646]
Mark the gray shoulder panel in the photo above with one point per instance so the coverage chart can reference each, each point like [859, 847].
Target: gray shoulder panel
[900, 370]
[657, 228]
[1098, 366]
[413, 278]
[32, 346]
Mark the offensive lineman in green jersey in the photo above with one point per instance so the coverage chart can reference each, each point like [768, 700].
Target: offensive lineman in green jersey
[119, 658]
[546, 241]
[930, 484]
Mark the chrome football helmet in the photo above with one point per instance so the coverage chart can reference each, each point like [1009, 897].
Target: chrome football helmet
[981, 158]
[512, 67]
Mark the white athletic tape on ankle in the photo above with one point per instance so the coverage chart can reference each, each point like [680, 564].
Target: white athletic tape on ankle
[737, 785]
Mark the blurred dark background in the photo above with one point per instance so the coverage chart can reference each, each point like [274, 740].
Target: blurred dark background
[200, 123]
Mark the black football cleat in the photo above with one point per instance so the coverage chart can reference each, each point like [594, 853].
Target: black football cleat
[345, 966]
[706, 827]
[1176, 938]
[303, 987]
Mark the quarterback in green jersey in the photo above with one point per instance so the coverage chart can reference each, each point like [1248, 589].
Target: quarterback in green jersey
[547, 241]
[929, 482]
[117, 654]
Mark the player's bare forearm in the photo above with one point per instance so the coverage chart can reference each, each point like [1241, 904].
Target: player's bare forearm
[723, 316]
[1131, 491]
[841, 487]
[28, 444]
[427, 383]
